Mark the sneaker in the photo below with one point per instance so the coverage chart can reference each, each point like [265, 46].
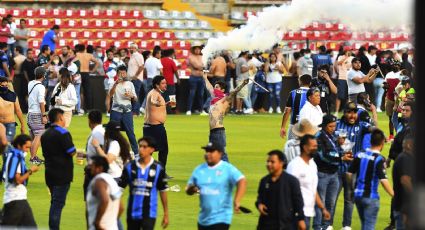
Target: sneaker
[336, 114]
[379, 110]
[108, 114]
[346, 228]
[80, 113]
[142, 110]
[203, 113]
[330, 228]
[390, 227]
[35, 160]
[189, 113]
[278, 110]
[271, 110]
[249, 111]
[168, 177]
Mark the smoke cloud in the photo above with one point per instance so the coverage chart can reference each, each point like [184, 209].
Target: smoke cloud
[266, 29]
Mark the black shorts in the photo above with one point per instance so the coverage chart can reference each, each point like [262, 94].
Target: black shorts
[145, 224]
[18, 213]
[219, 226]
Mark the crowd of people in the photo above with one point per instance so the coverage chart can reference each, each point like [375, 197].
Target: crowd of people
[320, 158]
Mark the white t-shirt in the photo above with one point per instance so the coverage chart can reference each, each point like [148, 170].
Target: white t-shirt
[109, 218]
[12, 27]
[353, 87]
[14, 191]
[305, 65]
[97, 133]
[274, 76]
[36, 97]
[371, 58]
[116, 166]
[153, 66]
[344, 67]
[312, 113]
[119, 101]
[307, 176]
[135, 62]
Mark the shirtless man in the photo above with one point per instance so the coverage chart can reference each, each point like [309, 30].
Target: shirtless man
[219, 105]
[218, 69]
[155, 116]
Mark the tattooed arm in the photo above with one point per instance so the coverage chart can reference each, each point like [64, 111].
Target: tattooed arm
[229, 97]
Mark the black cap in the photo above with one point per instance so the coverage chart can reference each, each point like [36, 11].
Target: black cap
[405, 80]
[351, 106]
[114, 125]
[211, 146]
[3, 79]
[328, 118]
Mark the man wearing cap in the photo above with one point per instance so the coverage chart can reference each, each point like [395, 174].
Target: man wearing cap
[328, 158]
[292, 146]
[196, 83]
[355, 130]
[219, 106]
[36, 117]
[214, 181]
[296, 100]
[58, 150]
[279, 198]
[135, 72]
[311, 110]
[51, 38]
[356, 79]
[9, 107]
[304, 169]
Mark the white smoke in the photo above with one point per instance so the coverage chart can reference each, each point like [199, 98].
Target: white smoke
[264, 30]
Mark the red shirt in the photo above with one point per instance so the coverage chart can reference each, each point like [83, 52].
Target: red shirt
[168, 69]
[4, 29]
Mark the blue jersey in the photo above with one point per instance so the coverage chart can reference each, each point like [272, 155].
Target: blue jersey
[355, 134]
[12, 159]
[3, 59]
[144, 187]
[216, 184]
[296, 100]
[48, 40]
[370, 169]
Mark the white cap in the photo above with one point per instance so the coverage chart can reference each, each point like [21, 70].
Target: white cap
[72, 68]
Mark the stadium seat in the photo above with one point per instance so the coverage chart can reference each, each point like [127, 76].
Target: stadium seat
[218, 34]
[29, 13]
[181, 35]
[32, 23]
[154, 35]
[35, 34]
[194, 35]
[140, 35]
[70, 13]
[95, 13]
[17, 13]
[180, 54]
[109, 13]
[162, 14]
[175, 14]
[62, 42]
[82, 13]
[112, 34]
[57, 21]
[70, 23]
[204, 25]
[183, 45]
[164, 24]
[137, 24]
[191, 24]
[136, 14]
[177, 24]
[3, 11]
[99, 35]
[124, 14]
[236, 15]
[150, 24]
[205, 35]
[103, 43]
[45, 23]
[123, 24]
[167, 35]
[99, 24]
[188, 15]
[168, 44]
[149, 14]
[88, 34]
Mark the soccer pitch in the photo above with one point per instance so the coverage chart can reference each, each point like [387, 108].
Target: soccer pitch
[249, 138]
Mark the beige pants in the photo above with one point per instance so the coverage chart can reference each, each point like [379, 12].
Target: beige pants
[68, 116]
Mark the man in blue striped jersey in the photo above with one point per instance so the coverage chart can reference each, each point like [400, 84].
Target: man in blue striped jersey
[355, 130]
[369, 166]
[296, 100]
[58, 150]
[145, 177]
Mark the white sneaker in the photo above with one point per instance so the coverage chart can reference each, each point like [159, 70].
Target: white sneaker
[278, 110]
[330, 228]
[108, 114]
[271, 110]
[189, 113]
[249, 111]
[203, 113]
[379, 110]
[346, 228]
[142, 110]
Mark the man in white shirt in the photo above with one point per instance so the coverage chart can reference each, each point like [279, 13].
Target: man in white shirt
[311, 110]
[305, 64]
[153, 68]
[135, 72]
[356, 79]
[11, 40]
[103, 197]
[304, 169]
[123, 93]
[36, 118]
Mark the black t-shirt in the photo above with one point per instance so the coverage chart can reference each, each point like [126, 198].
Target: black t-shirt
[58, 148]
[402, 167]
[324, 88]
[42, 60]
[29, 67]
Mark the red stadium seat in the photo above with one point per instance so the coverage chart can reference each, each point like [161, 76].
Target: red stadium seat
[183, 45]
[70, 13]
[112, 34]
[29, 13]
[70, 23]
[35, 44]
[140, 35]
[124, 24]
[117, 44]
[168, 35]
[32, 23]
[35, 34]
[45, 23]
[82, 13]
[73, 34]
[154, 35]
[150, 24]
[136, 14]
[58, 21]
[123, 14]
[100, 35]
[168, 44]
[103, 43]
[88, 34]
[111, 13]
[17, 13]
[85, 23]
[330, 26]
[62, 42]
[136, 24]
[44, 13]
[96, 13]
[57, 13]
[127, 34]
[110, 24]
[3, 11]
[99, 24]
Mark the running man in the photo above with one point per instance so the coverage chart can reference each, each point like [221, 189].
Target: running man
[219, 105]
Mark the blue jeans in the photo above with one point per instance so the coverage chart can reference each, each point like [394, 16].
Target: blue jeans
[247, 100]
[207, 103]
[196, 84]
[11, 50]
[274, 94]
[348, 200]
[399, 224]
[379, 91]
[126, 120]
[368, 212]
[10, 131]
[219, 136]
[147, 85]
[327, 189]
[58, 198]
[77, 91]
[307, 221]
[137, 87]
[49, 95]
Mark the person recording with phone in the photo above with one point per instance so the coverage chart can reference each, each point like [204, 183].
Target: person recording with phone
[356, 79]
[124, 94]
[324, 83]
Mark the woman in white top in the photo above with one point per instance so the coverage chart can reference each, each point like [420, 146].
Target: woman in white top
[274, 71]
[116, 149]
[64, 95]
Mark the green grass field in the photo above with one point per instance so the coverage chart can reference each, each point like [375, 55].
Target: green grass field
[249, 138]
